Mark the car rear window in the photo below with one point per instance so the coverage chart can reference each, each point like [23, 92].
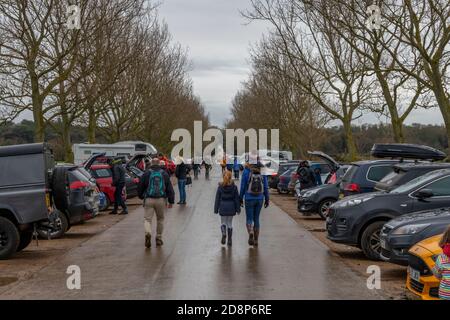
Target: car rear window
[348, 176]
[75, 175]
[102, 173]
[376, 173]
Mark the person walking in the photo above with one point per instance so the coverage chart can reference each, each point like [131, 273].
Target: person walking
[227, 204]
[207, 167]
[155, 189]
[118, 181]
[442, 267]
[255, 192]
[236, 168]
[196, 168]
[181, 174]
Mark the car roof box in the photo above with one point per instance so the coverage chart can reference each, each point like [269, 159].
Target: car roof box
[406, 151]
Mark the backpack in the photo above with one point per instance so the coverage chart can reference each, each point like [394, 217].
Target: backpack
[156, 186]
[255, 184]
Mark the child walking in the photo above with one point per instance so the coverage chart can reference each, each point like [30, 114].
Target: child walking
[227, 205]
[442, 267]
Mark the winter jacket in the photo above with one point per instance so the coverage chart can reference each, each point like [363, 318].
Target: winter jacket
[118, 175]
[306, 177]
[244, 194]
[144, 183]
[181, 171]
[227, 200]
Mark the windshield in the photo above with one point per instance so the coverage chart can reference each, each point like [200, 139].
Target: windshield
[414, 183]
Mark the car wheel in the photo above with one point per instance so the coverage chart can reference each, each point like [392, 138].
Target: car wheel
[370, 240]
[25, 240]
[59, 191]
[61, 225]
[9, 238]
[324, 206]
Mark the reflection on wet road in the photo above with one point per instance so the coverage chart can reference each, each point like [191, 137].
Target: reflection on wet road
[288, 264]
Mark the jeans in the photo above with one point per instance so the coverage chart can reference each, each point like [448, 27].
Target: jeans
[118, 201]
[182, 189]
[236, 174]
[252, 211]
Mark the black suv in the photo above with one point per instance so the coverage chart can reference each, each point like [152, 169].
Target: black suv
[357, 220]
[400, 234]
[405, 172]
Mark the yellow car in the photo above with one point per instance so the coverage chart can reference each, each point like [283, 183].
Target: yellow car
[421, 281]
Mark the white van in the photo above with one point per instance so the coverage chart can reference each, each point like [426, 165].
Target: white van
[127, 149]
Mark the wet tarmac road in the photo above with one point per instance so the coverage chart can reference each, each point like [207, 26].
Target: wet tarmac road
[288, 264]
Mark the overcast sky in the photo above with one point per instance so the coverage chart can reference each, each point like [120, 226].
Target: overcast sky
[218, 40]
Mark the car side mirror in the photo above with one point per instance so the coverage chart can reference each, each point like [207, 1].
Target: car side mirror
[424, 194]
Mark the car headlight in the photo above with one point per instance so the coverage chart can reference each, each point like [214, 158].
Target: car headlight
[351, 202]
[308, 193]
[411, 228]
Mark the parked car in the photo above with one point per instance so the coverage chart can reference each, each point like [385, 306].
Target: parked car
[420, 280]
[25, 194]
[319, 199]
[362, 176]
[101, 171]
[76, 198]
[404, 172]
[400, 234]
[283, 183]
[282, 167]
[357, 220]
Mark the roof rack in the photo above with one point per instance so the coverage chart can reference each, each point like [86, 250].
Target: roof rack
[406, 151]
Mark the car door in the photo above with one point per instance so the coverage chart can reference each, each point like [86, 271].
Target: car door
[441, 198]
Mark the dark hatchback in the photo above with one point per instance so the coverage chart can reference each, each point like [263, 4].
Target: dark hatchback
[282, 168]
[319, 199]
[357, 220]
[400, 234]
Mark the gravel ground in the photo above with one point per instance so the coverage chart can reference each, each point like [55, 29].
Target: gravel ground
[35, 257]
[393, 277]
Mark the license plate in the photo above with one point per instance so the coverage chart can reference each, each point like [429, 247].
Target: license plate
[383, 244]
[341, 196]
[414, 274]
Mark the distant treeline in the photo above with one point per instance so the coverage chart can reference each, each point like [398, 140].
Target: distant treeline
[333, 141]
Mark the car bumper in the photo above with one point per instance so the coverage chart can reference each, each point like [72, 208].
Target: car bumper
[427, 288]
[395, 249]
[340, 232]
[306, 206]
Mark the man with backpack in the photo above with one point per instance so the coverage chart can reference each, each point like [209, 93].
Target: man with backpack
[118, 181]
[155, 188]
[255, 192]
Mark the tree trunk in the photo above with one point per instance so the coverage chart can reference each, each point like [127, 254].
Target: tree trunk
[350, 142]
[92, 124]
[38, 115]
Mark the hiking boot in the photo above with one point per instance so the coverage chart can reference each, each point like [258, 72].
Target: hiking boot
[230, 236]
[113, 212]
[251, 236]
[255, 242]
[148, 241]
[123, 212]
[223, 228]
[159, 242]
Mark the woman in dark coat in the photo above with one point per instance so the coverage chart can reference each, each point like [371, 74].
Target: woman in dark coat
[227, 204]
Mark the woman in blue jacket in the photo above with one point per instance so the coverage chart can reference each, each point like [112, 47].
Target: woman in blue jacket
[227, 204]
[255, 192]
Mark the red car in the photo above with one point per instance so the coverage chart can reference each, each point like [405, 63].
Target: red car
[102, 174]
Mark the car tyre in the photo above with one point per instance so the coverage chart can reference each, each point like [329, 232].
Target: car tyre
[63, 227]
[59, 183]
[323, 207]
[9, 238]
[370, 240]
[25, 240]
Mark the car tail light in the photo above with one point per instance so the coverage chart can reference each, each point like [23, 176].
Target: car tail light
[79, 185]
[136, 180]
[352, 187]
